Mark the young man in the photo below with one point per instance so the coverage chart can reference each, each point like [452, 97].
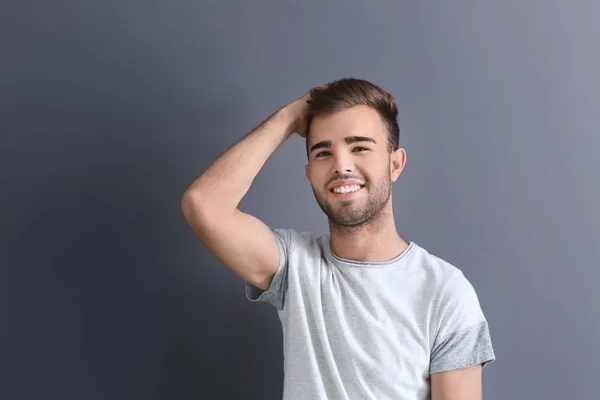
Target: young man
[365, 314]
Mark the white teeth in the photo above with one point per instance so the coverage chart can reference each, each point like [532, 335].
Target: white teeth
[346, 189]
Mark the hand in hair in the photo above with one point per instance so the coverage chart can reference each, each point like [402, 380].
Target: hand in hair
[299, 110]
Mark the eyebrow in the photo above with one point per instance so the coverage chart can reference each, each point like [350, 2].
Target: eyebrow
[348, 140]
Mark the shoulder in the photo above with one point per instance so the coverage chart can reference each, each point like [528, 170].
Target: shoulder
[452, 292]
[290, 239]
[434, 270]
[445, 283]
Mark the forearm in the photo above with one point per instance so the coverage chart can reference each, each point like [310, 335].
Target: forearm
[223, 185]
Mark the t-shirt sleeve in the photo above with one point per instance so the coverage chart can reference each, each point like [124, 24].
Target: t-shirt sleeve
[463, 337]
[275, 295]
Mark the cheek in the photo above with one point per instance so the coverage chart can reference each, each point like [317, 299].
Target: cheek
[375, 174]
[314, 182]
[317, 177]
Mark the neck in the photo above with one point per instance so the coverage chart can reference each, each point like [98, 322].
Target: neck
[375, 241]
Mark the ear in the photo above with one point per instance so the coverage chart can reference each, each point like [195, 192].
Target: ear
[397, 163]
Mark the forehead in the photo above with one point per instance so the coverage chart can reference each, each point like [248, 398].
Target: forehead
[355, 121]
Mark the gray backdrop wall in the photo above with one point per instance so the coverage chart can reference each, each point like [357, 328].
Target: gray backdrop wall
[109, 110]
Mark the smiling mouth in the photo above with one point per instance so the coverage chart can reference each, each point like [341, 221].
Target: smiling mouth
[343, 190]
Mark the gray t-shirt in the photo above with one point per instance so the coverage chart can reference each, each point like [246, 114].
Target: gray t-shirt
[358, 330]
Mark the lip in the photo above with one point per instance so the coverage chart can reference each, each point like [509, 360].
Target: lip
[345, 182]
[345, 195]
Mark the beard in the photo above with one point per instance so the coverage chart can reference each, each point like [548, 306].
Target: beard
[352, 213]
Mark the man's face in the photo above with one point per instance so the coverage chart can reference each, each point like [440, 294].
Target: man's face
[350, 169]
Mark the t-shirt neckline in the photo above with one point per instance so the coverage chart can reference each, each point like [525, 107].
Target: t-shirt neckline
[356, 263]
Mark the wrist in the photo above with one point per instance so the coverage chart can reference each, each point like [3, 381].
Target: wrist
[290, 118]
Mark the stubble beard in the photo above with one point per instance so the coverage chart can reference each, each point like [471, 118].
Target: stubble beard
[347, 215]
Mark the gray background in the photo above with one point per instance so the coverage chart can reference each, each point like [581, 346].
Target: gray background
[109, 110]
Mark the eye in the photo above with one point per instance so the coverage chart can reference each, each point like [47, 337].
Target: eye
[359, 148]
[321, 154]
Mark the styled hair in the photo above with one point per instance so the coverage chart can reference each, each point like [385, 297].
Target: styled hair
[342, 94]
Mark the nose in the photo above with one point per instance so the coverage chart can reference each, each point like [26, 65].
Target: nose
[342, 163]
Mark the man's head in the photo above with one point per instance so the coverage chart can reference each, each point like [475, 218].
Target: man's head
[353, 141]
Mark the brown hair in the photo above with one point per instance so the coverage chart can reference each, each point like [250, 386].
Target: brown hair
[345, 93]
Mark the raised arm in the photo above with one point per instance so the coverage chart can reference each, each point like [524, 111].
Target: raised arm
[210, 205]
